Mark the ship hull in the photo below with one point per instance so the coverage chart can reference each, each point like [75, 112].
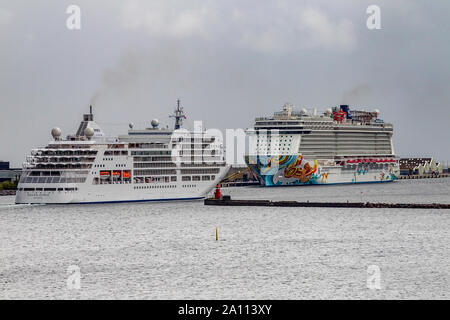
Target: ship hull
[294, 170]
[116, 193]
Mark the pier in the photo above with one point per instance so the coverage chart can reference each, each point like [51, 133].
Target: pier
[424, 176]
[226, 201]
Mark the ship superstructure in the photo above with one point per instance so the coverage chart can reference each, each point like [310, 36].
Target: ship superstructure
[306, 147]
[88, 167]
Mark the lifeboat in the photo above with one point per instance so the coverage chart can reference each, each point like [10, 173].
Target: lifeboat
[126, 174]
[116, 174]
[105, 174]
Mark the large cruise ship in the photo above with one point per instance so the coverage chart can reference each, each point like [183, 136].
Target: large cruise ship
[307, 148]
[144, 165]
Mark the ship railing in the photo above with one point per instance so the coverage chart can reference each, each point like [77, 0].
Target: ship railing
[59, 153]
[27, 165]
[114, 182]
[61, 161]
[62, 166]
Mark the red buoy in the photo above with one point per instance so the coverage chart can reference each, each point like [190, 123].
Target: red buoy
[217, 193]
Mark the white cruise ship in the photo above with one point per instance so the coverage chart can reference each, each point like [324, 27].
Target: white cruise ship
[145, 165]
[307, 148]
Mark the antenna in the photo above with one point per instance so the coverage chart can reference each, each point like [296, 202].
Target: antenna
[90, 109]
[178, 115]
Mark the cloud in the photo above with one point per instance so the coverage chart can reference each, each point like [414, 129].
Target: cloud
[273, 27]
[222, 58]
[324, 33]
[5, 17]
[160, 19]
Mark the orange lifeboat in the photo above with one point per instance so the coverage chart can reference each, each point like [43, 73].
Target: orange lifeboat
[126, 174]
[105, 174]
[116, 174]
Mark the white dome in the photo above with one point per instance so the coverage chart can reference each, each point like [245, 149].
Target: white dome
[328, 111]
[376, 111]
[155, 123]
[89, 132]
[304, 111]
[56, 132]
[131, 125]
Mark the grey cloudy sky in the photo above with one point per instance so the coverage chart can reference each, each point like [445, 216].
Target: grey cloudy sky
[228, 61]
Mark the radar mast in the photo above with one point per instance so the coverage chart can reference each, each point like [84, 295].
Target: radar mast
[178, 115]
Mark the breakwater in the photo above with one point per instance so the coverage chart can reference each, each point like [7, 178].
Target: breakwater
[226, 201]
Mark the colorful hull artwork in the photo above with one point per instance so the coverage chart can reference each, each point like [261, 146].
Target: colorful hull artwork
[288, 170]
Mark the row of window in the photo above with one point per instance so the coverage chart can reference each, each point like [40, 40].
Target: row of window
[156, 187]
[53, 173]
[47, 189]
[154, 172]
[154, 179]
[143, 159]
[52, 180]
[200, 171]
[203, 164]
[116, 153]
[149, 153]
[197, 178]
[147, 145]
[373, 166]
[103, 166]
[155, 165]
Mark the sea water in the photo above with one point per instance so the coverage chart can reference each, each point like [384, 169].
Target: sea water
[169, 250]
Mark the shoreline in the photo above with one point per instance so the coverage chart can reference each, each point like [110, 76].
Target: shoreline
[7, 193]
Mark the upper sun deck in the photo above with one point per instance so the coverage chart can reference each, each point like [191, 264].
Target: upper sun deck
[332, 118]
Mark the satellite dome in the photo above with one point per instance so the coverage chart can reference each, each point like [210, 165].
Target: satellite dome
[304, 111]
[89, 132]
[376, 111]
[328, 111]
[131, 125]
[155, 123]
[56, 133]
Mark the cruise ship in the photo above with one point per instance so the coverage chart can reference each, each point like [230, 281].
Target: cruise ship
[338, 146]
[151, 164]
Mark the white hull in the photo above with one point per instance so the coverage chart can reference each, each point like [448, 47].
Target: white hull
[131, 192]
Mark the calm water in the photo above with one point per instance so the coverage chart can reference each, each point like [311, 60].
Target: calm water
[168, 250]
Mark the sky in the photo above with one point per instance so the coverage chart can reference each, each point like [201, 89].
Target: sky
[228, 61]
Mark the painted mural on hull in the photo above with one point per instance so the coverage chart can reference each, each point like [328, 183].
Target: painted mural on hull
[295, 170]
